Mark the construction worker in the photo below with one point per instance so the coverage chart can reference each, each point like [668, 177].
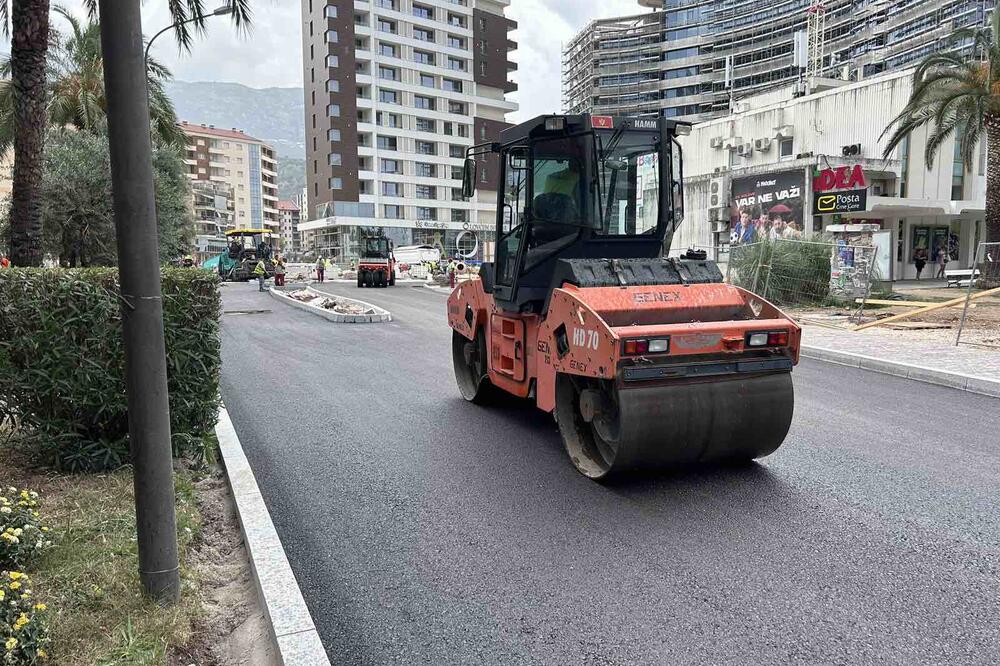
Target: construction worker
[261, 272]
[187, 261]
[320, 268]
[452, 267]
[279, 271]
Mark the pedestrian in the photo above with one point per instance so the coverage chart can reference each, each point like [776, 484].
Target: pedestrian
[279, 271]
[919, 260]
[942, 262]
[261, 272]
[320, 268]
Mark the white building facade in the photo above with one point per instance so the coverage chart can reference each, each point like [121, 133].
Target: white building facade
[781, 141]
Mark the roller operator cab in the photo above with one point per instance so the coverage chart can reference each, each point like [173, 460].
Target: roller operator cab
[646, 361]
[377, 265]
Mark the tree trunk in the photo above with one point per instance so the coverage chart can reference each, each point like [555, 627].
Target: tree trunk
[29, 41]
[990, 268]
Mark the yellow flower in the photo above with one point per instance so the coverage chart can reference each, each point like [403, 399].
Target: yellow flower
[41, 607]
[45, 529]
[10, 644]
[42, 654]
[14, 575]
[22, 620]
[15, 585]
[2, 594]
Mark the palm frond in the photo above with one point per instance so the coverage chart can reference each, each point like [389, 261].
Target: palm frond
[5, 18]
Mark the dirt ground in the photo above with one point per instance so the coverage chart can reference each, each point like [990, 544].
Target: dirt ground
[982, 323]
[234, 630]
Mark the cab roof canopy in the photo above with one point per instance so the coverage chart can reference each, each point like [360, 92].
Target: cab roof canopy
[556, 124]
[249, 232]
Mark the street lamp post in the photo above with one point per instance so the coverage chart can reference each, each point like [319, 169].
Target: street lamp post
[125, 83]
[220, 11]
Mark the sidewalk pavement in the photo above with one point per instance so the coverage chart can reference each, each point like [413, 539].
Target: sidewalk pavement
[967, 367]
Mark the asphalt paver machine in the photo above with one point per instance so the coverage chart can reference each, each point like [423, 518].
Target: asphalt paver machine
[646, 361]
[376, 265]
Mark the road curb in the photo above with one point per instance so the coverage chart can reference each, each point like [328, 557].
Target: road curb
[957, 380]
[381, 315]
[291, 624]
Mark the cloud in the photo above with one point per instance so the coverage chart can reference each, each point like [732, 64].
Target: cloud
[271, 54]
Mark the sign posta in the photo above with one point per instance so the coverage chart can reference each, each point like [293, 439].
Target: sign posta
[847, 201]
[840, 178]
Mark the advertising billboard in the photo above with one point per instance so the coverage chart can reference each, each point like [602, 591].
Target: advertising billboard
[767, 206]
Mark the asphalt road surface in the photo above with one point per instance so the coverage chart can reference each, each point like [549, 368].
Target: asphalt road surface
[426, 530]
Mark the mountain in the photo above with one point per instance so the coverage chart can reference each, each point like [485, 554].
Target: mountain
[274, 115]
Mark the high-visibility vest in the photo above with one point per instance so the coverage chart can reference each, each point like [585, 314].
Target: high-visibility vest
[259, 269]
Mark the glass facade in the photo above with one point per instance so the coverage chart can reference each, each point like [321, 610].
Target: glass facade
[256, 209]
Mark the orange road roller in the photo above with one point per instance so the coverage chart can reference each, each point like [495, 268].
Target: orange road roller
[646, 361]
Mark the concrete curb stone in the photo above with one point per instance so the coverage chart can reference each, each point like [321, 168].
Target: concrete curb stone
[291, 624]
[381, 316]
[957, 380]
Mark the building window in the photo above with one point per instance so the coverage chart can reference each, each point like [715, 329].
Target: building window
[333, 85]
[390, 73]
[388, 96]
[332, 61]
[392, 189]
[423, 12]
[958, 166]
[333, 110]
[425, 125]
[387, 119]
[387, 26]
[448, 129]
[389, 166]
[423, 57]
[456, 64]
[426, 192]
[904, 164]
[330, 11]
[456, 173]
[336, 183]
[426, 148]
[482, 68]
[463, 130]
[786, 147]
[423, 35]
[335, 159]
[459, 215]
[332, 37]
[456, 151]
[456, 20]
[392, 211]
[425, 170]
[451, 85]
[387, 50]
[386, 142]
[456, 42]
[333, 135]
[423, 102]
[424, 213]
[426, 80]
[456, 107]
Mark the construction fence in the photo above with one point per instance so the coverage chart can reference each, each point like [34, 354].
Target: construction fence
[795, 273]
[980, 321]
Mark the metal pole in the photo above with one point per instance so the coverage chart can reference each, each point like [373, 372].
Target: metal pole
[968, 293]
[142, 309]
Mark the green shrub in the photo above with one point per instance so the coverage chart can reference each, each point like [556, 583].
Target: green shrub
[23, 628]
[62, 364]
[784, 272]
[22, 534]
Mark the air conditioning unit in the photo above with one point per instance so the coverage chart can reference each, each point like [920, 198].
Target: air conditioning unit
[718, 197]
[802, 156]
[878, 189]
[852, 150]
[762, 145]
[720, 226]
[720, 169]
[744, 149]
[715, 142]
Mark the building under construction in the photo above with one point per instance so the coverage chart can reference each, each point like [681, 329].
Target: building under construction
[695, 59]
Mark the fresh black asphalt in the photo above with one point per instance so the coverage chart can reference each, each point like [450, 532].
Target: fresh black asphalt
[425, 530]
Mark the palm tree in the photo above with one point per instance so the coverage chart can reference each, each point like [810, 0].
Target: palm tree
[75, 87]
[27, 24]
[956, 95]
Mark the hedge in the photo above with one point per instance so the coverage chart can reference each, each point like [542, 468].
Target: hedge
[62, 365]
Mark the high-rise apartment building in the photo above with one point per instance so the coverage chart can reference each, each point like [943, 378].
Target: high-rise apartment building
[212, 203]
[712, 53]
[291, 239]
[396, 91]
[247, 165]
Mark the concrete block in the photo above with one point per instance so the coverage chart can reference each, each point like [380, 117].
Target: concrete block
[939, 377]
[984, 386]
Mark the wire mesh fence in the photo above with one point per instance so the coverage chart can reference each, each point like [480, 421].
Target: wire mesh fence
[980, 321]
[802, 274]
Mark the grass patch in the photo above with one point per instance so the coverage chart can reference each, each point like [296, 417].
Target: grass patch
[89, 578]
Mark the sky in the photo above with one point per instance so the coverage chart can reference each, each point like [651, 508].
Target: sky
[272, 54]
